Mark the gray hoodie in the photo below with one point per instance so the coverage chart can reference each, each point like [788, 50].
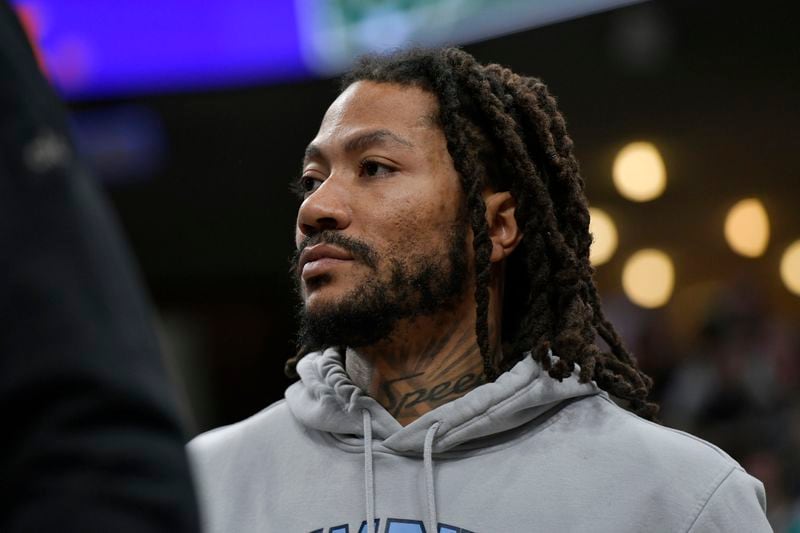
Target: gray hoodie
[525, 453]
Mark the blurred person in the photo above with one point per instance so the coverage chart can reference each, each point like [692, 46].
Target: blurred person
[92, 441]
[783, 513]
[449, 376]
[738, 388]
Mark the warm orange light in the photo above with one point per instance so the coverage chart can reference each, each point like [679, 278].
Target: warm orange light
[747, 228]
[648, 278]
[604, 236]
[790, 267]
[639, 173]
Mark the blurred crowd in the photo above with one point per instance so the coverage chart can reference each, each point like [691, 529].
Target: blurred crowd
[729, 374]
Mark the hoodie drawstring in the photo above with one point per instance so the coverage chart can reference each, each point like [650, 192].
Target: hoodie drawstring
[427, 456]
[369, 476]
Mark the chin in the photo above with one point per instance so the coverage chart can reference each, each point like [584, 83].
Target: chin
[319, 295]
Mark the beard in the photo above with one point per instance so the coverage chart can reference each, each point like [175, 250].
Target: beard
[413, 286]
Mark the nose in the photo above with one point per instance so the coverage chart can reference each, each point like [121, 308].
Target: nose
[325, 209]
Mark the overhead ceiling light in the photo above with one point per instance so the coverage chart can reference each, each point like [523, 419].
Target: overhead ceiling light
[604, 236]
[790, 267]
[639, 173]
[747, 228]
[648, 278]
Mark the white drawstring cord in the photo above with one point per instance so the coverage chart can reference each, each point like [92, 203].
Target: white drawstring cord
[369, 479]
[427, 455]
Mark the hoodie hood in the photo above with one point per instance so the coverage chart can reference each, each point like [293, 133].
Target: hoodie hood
[325, 399]
[474, 461]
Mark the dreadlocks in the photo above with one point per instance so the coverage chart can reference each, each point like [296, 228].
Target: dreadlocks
[505, 131]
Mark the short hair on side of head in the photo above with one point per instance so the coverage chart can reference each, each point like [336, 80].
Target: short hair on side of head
[505, 130]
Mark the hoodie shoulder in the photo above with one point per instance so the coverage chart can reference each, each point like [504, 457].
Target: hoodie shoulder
[662, 446]
[732, 507]
[272, 419]
[691, 482]
[230, 463]
[231, 450]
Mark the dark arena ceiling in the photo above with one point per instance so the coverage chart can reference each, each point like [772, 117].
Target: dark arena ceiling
[715, 86]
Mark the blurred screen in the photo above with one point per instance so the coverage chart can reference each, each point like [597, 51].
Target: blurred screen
[95, 48]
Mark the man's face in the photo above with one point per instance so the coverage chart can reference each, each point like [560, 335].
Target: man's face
[381, 233]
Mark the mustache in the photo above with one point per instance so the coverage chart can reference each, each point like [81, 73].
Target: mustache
[360, 250]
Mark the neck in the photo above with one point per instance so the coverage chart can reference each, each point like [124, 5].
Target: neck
[423, 364]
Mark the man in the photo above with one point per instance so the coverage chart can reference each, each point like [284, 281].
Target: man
[91, 437]
[450, 379]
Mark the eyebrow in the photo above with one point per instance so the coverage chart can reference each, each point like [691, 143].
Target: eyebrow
[361, 142]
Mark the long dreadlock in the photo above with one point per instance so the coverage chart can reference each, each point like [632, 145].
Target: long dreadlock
[505, 130]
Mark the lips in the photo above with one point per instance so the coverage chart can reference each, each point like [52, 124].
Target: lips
[316, 259]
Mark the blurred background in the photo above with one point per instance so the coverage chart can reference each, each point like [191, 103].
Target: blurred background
[685, 118]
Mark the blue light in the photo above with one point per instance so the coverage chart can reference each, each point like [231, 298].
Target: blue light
[97, 48]
[102, 48]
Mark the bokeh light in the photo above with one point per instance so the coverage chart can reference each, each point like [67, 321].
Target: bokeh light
[790, 267]
[604, 236]
[639, 173]
[648, 278]
[747, 228]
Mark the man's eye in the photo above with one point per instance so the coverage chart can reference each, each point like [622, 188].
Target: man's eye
[373, 168]
[309, 184]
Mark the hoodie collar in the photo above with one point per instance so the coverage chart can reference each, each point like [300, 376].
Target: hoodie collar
[325, 399]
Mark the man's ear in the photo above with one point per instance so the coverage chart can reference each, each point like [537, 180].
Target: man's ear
[503, 229]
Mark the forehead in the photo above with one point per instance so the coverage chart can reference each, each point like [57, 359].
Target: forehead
[367, 105]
